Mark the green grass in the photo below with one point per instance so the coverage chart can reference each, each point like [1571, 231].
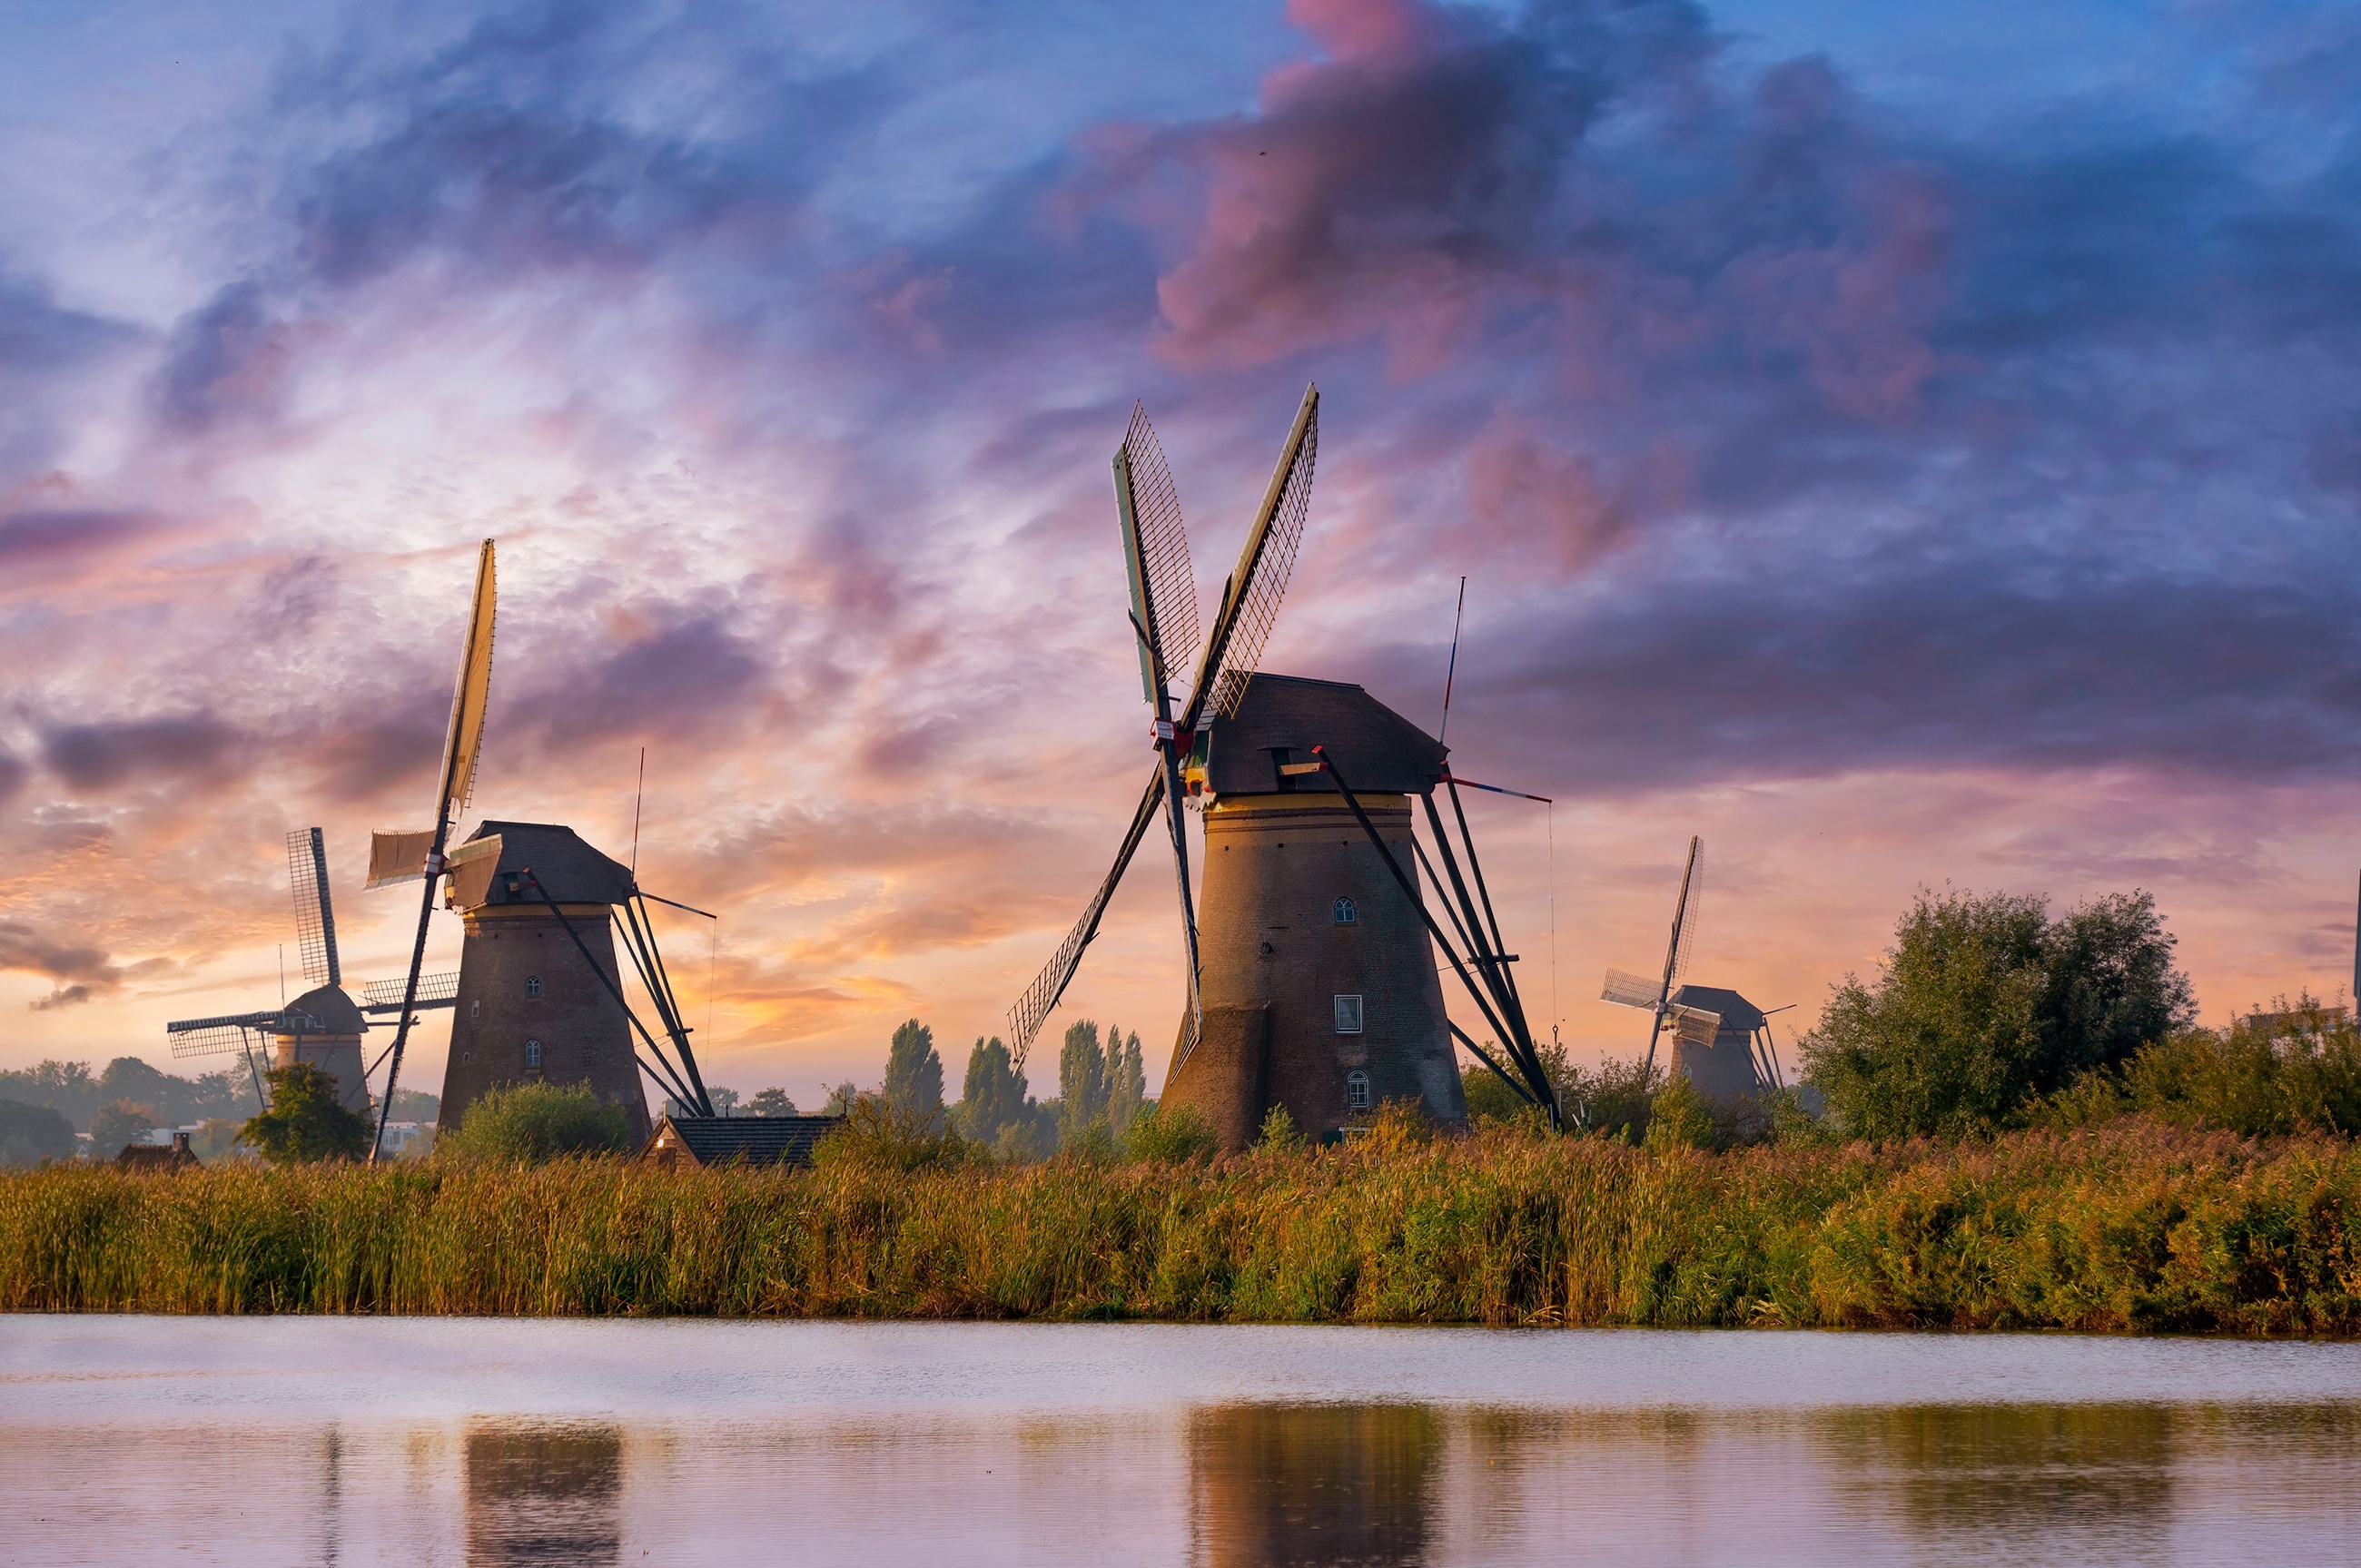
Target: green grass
[2132, 1226]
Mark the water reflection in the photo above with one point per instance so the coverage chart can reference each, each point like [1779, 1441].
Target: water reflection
[456, 1443]
[542, 1494]
[2010, 1477]
[1280, 1485]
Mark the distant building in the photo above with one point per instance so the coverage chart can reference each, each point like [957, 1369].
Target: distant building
[729, 1140]
[152, 1159]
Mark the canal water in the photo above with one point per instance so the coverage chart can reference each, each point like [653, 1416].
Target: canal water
[265, 1441]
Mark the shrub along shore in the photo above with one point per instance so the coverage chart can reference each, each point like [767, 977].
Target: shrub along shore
[2128, 1225]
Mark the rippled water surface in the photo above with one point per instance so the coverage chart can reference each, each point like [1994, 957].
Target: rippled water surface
[438, 1440]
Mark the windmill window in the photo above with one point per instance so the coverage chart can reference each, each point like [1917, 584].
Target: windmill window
[1348, 1015]
[1356, 1091]
[533, 1053]
[1346, 913]
[533, 985]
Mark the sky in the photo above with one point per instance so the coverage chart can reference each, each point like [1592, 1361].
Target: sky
[1909, 446]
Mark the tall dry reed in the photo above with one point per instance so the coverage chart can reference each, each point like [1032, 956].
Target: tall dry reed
[2128, 1226]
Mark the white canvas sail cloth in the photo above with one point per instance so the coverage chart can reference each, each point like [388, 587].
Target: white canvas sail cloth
[471, 866]
[398, 855]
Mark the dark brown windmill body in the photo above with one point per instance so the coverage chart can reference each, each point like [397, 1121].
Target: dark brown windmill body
[538, 985]
[1319, 981]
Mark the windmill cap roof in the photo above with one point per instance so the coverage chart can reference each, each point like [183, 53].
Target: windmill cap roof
[569, 869]
[335, 1011]
[1736, 1013]
[1378, 751]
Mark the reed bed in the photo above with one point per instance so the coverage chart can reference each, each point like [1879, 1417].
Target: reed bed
[2129, 1226]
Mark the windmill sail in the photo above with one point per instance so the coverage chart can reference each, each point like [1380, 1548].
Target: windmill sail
[1025, 1019]
[398, 855]
[461, 742]
[1156, 556]
[1249, 604]
[471, 866]
[1164, 612]
[1628, 990]
[315, 917]
[1250, 599]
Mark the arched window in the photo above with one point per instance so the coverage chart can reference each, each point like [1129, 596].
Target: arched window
[1345, 914]
[1356, 1091]
[533, 985]
[533, 1053]
[1348, 1015]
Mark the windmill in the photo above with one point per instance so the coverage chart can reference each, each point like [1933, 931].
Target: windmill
[1311, 977]
[323, 1026]
[1720, 1040]
[541, 909]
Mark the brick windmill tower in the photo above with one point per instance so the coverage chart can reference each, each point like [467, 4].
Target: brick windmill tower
[1311, 953]
[540, 989]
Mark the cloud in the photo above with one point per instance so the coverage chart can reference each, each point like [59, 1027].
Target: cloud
[82, 972]
[106, 755]
[30, 539]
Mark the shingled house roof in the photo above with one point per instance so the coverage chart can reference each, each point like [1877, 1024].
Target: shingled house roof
[1283, 716]
[722, 1140]
[158, 1159]
[560, 862]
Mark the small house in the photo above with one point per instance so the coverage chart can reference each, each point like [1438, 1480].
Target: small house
[735, 1140]
[157, 1160]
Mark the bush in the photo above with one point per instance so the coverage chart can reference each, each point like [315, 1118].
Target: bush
[1278, 1133]
[1984, 1005]
[1678, 1118]
[306, 1121]
[1166, 1134]
[32, 1133]
[877, 1134]
[532, 1121]
[2291, 1070]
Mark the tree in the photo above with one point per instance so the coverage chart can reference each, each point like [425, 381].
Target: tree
[526, 1123]
[306, 1121]
[914, 1073]
[1126, 1080]
[32, 1133]
[1984, 1005]
[724, 1100]
[1081, 1081]
[66, 1087]
[217, 1140]
[841, 1099]
[770, 1103]
[121, 1121]
[993, 1095]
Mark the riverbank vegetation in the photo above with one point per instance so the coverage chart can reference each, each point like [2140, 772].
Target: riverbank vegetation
[2128, 1225]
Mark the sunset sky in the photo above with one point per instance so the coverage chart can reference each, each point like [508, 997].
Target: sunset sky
[1904, 445]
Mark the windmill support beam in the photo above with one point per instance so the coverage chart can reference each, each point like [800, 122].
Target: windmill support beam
[1537, 1089]
[641, 939]
[704, 1106]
